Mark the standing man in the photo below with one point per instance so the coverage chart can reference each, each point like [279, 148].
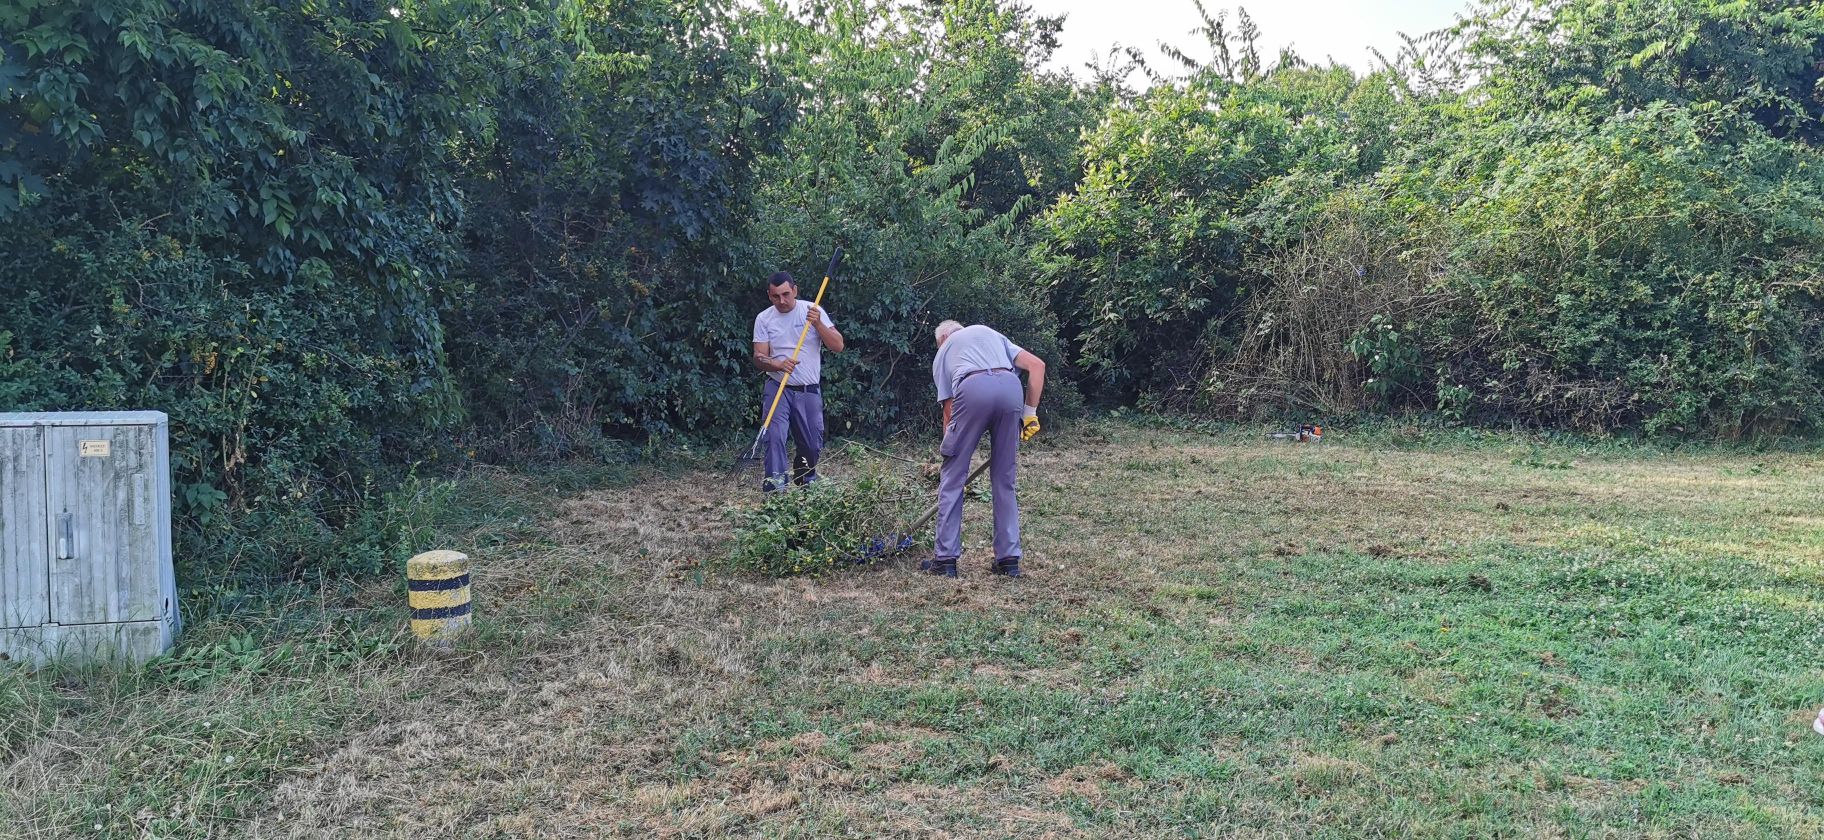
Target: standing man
[976, 382]
[776, 331]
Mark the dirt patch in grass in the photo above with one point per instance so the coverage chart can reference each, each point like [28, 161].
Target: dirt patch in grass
[1086, 782]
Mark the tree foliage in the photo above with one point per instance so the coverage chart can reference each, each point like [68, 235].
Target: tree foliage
[601, 292]
[925, 191]
[239, 214]
[1591, 214]
[340, 240]
[1182, 192]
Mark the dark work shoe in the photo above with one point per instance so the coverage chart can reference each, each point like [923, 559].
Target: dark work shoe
[1009, 566]
[944, 568]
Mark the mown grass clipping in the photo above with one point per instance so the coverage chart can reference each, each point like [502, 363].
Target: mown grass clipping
[830, 524]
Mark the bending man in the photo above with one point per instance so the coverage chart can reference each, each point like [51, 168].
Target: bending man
[976, 382]
[776, 331]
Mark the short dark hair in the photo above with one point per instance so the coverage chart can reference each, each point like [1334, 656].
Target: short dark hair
[781, 278]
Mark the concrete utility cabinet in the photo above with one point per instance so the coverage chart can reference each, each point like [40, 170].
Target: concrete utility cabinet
[85, 537]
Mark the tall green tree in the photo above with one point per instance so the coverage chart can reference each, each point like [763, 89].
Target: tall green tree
[239, 213]
[904, 156]
[602, 294]
[1760, 58]
[1147, 260]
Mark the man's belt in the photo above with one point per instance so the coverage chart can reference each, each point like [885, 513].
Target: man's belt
[983, 370]
[813, 388]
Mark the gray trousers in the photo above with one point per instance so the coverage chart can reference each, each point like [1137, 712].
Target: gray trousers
[990, 402]
[800, 412]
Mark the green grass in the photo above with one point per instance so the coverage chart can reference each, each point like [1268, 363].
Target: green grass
[1230, 637]
[264, 680]
[1411, 633]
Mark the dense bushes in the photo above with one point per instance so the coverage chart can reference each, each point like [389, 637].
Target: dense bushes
[339, 239]
[600, 294]
[1660, 270]
[1182, 193]
[1615, 227]
[236, 214]
[335, 240]
[927, 194]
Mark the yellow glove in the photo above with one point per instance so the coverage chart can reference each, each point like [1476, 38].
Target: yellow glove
[1030, 425]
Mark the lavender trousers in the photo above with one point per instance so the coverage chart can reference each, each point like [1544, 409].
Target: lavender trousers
[800, 412]
[991, 402]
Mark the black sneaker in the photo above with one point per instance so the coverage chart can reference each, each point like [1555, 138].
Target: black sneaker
[943, 568]
[1009, 566]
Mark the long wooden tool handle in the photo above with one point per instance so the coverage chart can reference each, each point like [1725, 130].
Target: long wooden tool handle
[834, 259]
[932, 511]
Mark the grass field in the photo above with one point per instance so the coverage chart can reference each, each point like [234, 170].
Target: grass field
[1392, 634]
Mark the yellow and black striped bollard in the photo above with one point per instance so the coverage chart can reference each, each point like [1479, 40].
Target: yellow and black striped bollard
[438, 593]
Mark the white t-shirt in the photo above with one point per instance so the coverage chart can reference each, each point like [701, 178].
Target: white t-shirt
[966, 351]
[780, 331]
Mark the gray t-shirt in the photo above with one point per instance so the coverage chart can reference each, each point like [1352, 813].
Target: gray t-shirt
[780, 330]
[966, 351]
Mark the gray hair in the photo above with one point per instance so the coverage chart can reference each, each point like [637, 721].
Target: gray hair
[945, 329]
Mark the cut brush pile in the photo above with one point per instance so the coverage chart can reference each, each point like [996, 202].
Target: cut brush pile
[827, 525]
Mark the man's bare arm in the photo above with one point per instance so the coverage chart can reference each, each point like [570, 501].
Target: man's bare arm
[763, 359]
[832, 340]
[1035, 376]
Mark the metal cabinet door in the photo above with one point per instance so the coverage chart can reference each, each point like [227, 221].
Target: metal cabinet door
[104, 547]
[25, 555]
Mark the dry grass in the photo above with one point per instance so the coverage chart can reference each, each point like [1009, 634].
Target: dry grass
[1219, 636]
[585, 733]
[128, 753]
[877, 703]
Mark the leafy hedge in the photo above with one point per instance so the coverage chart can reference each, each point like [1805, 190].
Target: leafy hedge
[338, 241]
[1602, 216]
[237, 214]
[343, 241]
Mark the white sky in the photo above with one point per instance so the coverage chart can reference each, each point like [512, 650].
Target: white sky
[1316, 29]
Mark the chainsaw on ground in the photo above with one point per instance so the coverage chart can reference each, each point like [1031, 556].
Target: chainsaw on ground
[1305, 433]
